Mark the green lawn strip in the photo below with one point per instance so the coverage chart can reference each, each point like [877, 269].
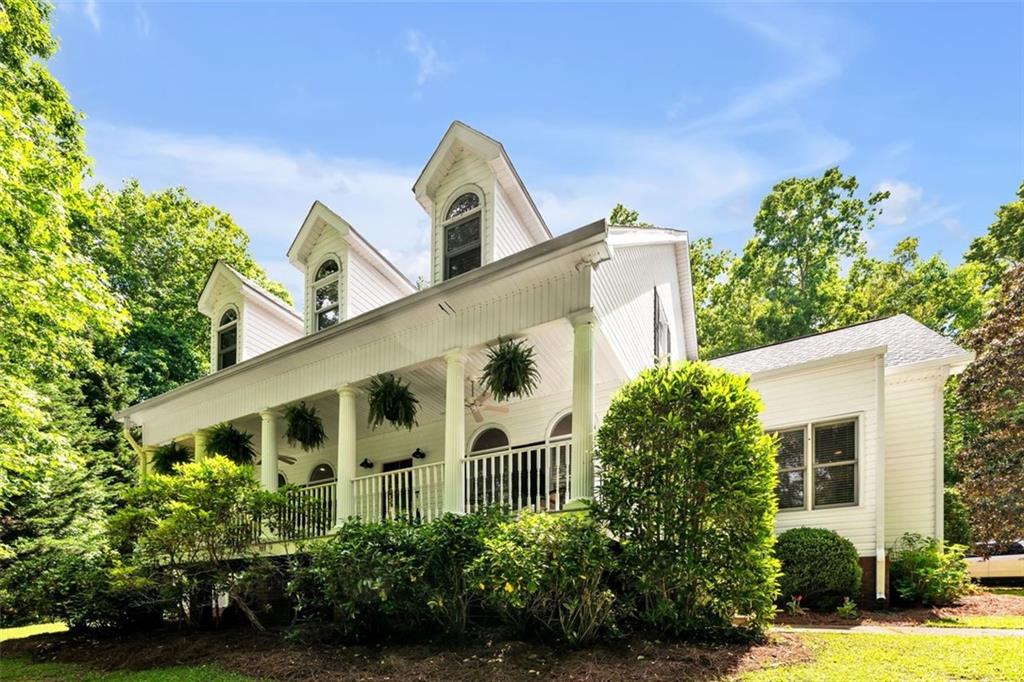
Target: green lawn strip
[878, 657]
[1011, 591]
[12, 669]
[29, 630]
[1000, 622]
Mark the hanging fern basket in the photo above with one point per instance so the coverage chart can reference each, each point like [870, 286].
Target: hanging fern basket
[224, 439]
[511, 370]
[391, 401]
[304, 427]
[166, 457]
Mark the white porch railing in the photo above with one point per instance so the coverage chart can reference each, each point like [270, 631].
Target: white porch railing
[531, 477]
[415, 494]
[310, 511]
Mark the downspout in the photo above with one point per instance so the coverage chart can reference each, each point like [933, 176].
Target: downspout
[880, 571]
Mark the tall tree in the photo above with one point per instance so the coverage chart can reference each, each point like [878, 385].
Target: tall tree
[991, 464]
[627, 217]
[804, 227]
[1002, 247]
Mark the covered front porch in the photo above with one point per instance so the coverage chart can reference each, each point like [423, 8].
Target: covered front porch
[466, 451]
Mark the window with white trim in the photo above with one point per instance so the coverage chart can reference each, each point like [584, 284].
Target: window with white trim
[227, 339]
[462, 235]
[817, 465]
[326, 295]
[489, 439]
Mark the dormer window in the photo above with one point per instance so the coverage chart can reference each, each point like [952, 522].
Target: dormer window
[227, 339]
[325, 294]
[462, 244]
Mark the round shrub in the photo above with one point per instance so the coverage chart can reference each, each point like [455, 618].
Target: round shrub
[547, 574]
[688, 487]
[819, 565]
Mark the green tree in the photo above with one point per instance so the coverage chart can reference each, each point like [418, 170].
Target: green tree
[53, 303]
[627, 217]
[948, 300]
[804, 227]
[1002, 247]
[991, 462]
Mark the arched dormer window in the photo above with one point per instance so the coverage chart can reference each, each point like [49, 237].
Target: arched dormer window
[326, 294]
[227, 339]
[462, 235]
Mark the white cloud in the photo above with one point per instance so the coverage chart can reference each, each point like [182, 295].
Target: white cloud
[269, 190]
[903, 202]
[92, 11]
[142, 22]
[429, 64]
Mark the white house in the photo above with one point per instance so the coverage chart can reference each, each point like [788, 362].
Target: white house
[859, 410]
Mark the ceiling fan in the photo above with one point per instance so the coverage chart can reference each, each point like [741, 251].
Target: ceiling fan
[477, 403]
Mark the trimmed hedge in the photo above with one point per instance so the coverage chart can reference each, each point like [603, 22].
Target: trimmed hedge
[819, 565]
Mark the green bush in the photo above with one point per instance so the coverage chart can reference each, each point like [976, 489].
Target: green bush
[449, 545]
[548, 574]
[688, 486]
[819, 565]
[369, 577]
[924, 571]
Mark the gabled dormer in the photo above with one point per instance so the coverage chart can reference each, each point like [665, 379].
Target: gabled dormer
[479, 208]
[344, 275]
[246, 320]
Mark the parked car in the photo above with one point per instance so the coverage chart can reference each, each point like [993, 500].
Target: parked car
[1008, 563]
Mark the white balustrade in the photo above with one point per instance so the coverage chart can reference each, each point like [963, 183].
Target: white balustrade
[309, 512]
[415, 494]
[532, 477]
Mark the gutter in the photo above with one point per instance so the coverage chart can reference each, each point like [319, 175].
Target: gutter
[588, 235]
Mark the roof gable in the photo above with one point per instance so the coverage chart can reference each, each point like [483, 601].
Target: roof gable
[222, 274]
[461, 139]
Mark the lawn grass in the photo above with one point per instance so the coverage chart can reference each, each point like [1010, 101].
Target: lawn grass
[29, 630]
[17, 669]
[878, 657]
[1012, 591]
[998, 622]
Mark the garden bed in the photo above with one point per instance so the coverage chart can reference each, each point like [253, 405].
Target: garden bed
[270, 656]
[985, 604]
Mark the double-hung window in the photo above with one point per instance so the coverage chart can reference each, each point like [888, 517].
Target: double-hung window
[662, 332]
[326, 294]
[817, 465]
[462, 242]
[227, 339]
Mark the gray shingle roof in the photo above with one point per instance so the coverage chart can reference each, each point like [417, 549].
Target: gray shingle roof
[907, 341]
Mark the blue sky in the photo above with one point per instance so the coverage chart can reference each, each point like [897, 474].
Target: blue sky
[687, 113]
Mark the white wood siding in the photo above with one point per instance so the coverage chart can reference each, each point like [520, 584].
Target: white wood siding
[266, 329]
[468, 172]
[913, 455]
[367, 287]
[516, 303]
[624, 302]
[510, 235]
[844, 389]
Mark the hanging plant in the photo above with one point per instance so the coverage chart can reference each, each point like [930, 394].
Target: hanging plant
[391, 400]
[511, 370]
[224, 439]
[305, 428]
[167, 456]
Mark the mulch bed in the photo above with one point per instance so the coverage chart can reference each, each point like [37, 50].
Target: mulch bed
[984, 604]
[270, 656]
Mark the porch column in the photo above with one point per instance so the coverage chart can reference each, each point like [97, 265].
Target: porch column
[454, 430]
[199, 445]
[581, 485]
[346, 464]
[268, 449]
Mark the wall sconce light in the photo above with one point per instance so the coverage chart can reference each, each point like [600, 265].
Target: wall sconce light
[366, 463]
[419, 454]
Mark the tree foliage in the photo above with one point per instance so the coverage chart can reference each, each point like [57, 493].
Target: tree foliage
[688, 487]
[1002, 247]
[991, 463]
[625, 217]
